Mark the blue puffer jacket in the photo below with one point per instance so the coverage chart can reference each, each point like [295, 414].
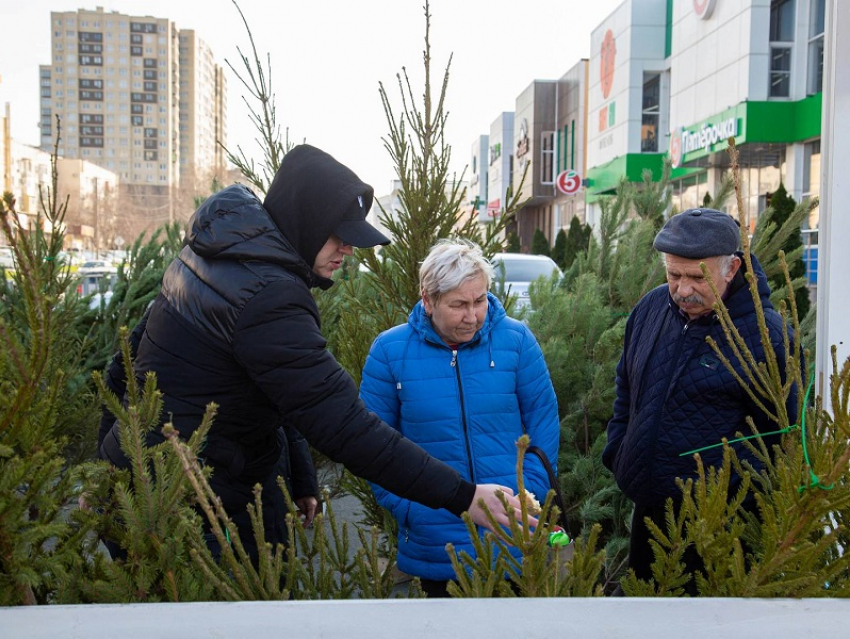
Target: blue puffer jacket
[466, 407]
[674, 395]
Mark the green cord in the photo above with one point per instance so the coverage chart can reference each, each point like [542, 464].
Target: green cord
[740, 439]
[815, 480]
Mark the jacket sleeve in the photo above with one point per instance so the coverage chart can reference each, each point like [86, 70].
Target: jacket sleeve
[278, 342]
[378, 392]
[619, 423]
[539, 412]
[301, 468]
[116, 380]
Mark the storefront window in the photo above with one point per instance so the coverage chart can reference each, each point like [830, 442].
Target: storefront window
[651, 113]
[781, 37]
[547, 157]
[811, 178]
[816, 29]
[782, 20]
[780, 71]
[760, 174]
[689, 192]
[769, 179]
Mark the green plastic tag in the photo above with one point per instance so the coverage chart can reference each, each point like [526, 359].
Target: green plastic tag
[559, 538]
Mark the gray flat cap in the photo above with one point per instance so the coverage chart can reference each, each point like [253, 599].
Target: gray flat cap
[698, 233]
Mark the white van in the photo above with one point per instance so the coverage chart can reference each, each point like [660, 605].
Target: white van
[521, 270]
[6, 260]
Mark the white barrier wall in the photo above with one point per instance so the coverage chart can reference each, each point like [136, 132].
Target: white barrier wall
[612, 618]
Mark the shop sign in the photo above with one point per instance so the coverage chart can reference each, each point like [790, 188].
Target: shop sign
[607, 57]
[495, 152]
[607, 116]
[676, 148]
[522, 145]
[491, 211]
[704, 8]
[568, 182]
[701, 139]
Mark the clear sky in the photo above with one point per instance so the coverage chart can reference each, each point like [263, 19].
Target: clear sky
[329, 57]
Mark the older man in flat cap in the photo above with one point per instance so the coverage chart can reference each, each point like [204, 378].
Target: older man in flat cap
[673, 393]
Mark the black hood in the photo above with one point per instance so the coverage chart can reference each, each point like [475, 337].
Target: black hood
[233, 225]
[309, 196]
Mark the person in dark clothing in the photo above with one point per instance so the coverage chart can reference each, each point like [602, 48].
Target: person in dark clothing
[235, 323]
[674, 395]
[294, 465]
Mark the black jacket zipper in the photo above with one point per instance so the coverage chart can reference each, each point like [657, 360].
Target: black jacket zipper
[456, 366]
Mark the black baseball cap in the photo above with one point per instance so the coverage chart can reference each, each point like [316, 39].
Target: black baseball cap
[355, 230]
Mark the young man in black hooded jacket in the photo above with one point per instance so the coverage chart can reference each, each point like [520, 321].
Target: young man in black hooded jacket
[235, 323]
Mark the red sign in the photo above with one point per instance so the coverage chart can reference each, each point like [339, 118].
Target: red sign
[494, 207]
[607, 55]
[703, 8]
[676, 148]
[568, 182]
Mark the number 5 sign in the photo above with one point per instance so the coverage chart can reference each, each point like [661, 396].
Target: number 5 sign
[569, 182]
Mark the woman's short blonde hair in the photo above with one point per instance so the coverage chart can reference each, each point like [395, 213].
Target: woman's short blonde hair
[449, 264]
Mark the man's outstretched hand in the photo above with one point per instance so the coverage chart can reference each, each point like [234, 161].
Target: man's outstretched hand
[488, 494]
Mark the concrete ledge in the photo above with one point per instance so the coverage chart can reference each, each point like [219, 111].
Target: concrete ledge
[427, 619]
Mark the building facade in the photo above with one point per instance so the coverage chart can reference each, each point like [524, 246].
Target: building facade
[91, 216]
[133, 95]
[675, 80]
[532, 149]
[534, 160]
[571, 146]
[477, 193]
[86, 193]
[671, 81]
[203, 112]
[500, 168]
[26, 175]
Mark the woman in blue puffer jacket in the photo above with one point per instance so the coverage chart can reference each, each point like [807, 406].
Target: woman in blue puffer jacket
[464, 381]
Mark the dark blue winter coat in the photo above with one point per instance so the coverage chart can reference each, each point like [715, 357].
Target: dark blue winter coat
[466, 407]
[674, 395]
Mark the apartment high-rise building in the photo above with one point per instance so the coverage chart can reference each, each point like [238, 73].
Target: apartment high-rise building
[203, 111]
[135, 95]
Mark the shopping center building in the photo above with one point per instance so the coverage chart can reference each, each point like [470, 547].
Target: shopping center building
[673, 79]
[677, 79]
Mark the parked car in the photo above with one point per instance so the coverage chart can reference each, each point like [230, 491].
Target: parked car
[97, 266]
[6, 257]
[520, 270]
[96, 280]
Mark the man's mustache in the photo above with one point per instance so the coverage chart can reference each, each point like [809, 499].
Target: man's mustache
[694, 298]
